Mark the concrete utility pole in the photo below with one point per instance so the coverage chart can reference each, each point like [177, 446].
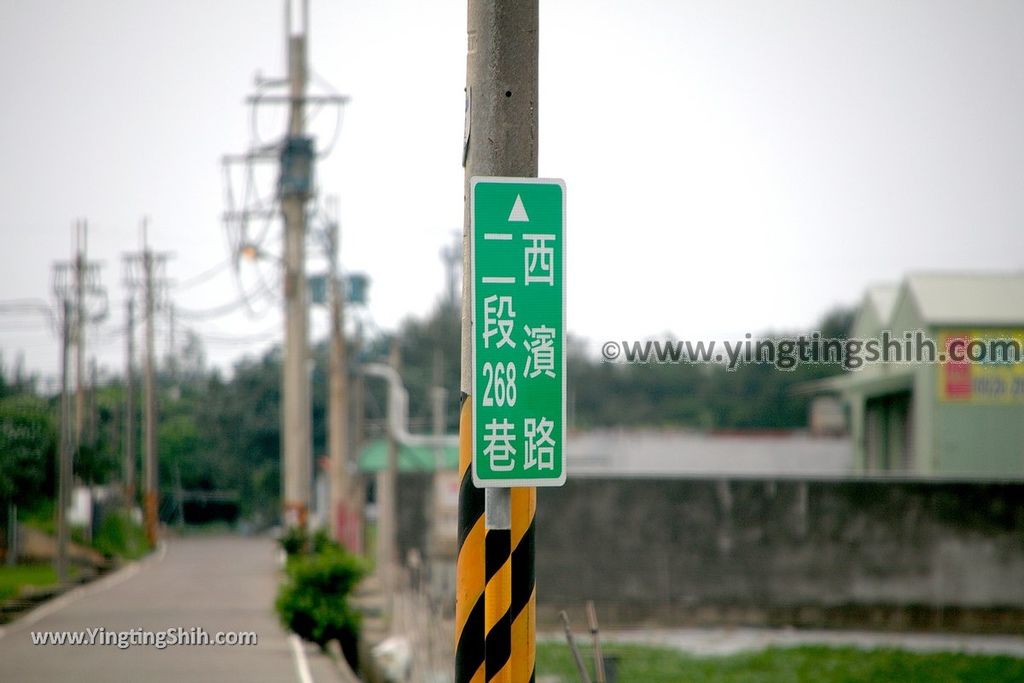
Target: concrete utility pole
[451, 255]
[76, 283]
[146, 269]
[438, 396]
[172, 347]
[90, 434]
[129, 406]
[295, 187]
[80, 267]
[439, 553]
[338, 405]
[150, 467]
[297, 158]
[358, 438]
[64, 464]
[500, 140]
[92, 425]
[387, 483]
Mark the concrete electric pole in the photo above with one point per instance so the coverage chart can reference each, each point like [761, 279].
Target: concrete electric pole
[297, 157]
[128, 471]
[500, 140]
[340, 494]
[358, 438]
[76, 286]
[150, 467]
[146, 269]
[387, 494]
[64, 466]
[295, 186]
[80, 270]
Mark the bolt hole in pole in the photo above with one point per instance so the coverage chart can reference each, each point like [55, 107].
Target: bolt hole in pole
[508, 93]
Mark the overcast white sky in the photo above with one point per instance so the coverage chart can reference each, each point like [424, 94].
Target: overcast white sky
[730, 166]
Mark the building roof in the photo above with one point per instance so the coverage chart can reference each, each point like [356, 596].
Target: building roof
[374, 457]
[968, 298]
[883, 298]
[875, 310]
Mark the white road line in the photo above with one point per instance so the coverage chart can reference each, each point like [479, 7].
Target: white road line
[109, 581]
[301, 665]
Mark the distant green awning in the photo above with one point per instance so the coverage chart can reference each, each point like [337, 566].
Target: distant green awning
[374, 457]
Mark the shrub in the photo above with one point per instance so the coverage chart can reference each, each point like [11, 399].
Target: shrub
[297, 540]
[293, 540]
[313, 600]
[119, 536]
[322, 542]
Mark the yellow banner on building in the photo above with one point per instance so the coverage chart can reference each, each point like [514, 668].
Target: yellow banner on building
[981, 366]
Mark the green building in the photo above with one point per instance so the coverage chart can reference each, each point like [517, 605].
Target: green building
[941, 418]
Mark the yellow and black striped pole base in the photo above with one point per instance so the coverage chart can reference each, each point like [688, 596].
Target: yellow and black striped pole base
[523, 607]
[495, 593]
[469, 570]
[497, 606]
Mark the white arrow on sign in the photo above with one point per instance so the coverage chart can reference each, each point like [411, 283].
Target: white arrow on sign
[518, 214]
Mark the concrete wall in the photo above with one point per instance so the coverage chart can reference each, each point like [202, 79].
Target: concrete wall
[880, 554]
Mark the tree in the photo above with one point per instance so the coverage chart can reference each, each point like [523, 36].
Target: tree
[27, 443]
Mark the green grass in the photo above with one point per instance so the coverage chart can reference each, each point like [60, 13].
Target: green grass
[809, 664]
[14, 579]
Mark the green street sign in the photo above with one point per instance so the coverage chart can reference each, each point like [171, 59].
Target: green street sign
[518, 292]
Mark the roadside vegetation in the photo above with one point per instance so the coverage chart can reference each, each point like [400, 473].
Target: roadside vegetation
[119, 536]
[14, 579]
[313, 600]
[219, 432]
[809, 664]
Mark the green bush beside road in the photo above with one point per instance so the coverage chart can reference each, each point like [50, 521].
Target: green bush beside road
[119, 536]
[313, 600]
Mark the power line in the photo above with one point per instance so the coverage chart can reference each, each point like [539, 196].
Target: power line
[268, 335]
[26, 326]
[203, 276]
[225, 309]
[25, 304]
[22, 306]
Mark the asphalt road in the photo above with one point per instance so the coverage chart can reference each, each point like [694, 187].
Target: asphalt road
[220, 584]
